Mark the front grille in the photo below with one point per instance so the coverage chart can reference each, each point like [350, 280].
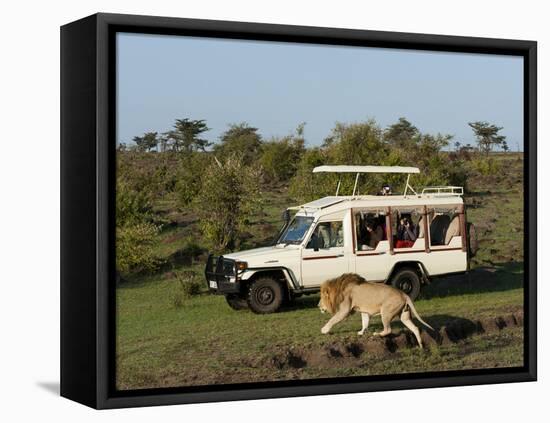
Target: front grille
[219, 269]
[228, 267]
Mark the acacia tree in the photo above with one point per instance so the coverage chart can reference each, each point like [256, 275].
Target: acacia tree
[401, 134]
[240, 139]
[487, 136]
[147, 142]
[186, 135]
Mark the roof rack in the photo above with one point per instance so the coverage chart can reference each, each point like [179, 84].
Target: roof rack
[443, 191]
[368, 169]
[365, 169]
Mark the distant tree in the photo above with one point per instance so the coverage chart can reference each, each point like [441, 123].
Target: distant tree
[505, 146]
[147, 142]
[457, 146]
[356, 144]
[163, 142]
[240, 139]
[487, 136]
[401, 134]
[186, 135]
[280, 156]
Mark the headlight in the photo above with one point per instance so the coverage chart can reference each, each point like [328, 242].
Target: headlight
[242, 265]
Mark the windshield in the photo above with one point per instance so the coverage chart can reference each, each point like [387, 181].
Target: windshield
[295, 232]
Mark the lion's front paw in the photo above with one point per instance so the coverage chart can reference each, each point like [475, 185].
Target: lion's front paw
[325, 330]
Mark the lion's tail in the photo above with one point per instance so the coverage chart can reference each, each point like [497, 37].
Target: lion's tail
[415, 313]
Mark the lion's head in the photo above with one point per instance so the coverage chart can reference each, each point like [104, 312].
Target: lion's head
[332, 291]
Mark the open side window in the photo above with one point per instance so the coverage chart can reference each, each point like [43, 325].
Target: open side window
[370, 229]
[445, 226]
[327, 235]
[407, 228]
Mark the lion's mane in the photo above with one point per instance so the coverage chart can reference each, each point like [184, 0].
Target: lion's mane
[334, 290]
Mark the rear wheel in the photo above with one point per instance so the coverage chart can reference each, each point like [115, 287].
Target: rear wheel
[408, 281]
[236, 302]
[265, 295]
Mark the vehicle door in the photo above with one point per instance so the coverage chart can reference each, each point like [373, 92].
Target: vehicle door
[323, 256]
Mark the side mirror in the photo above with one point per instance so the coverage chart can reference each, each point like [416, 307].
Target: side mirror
[286, 216]
[315, 242]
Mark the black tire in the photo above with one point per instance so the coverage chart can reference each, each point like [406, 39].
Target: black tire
[408, 281]
[265, 295]
[236, 302]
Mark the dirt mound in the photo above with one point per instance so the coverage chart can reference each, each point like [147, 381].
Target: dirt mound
[346, 352]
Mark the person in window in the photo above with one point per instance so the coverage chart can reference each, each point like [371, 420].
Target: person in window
[385, 190]
[375, 234]
[406, 233]
[337, 234]
[325, 234]
[320, 237]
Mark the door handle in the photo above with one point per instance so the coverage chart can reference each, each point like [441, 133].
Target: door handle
[340, 255]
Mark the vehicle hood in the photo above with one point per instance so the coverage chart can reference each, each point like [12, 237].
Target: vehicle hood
[265, 255]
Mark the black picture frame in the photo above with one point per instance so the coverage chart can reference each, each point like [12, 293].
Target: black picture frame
[88, 99]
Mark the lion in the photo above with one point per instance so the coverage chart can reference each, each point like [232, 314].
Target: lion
[350, 292]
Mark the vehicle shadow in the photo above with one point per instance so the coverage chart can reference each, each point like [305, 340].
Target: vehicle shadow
[304, 302]
[501, 277]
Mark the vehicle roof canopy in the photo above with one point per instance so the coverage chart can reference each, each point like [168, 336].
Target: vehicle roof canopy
[430, 196]
[365, 169]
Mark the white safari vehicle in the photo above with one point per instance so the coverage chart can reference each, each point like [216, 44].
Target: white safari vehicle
[403, 240]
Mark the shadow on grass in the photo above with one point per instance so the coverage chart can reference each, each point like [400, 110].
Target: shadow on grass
[502, 277]
[304, 302]
[479, 193]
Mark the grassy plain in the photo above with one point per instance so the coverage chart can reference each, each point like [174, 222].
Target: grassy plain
[164, 343]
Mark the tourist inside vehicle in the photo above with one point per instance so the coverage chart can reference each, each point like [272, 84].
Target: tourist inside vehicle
[407, 232]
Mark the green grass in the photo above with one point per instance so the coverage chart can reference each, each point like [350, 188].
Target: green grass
[203, 341]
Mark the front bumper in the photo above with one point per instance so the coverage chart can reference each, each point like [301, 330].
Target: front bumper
[222, 276]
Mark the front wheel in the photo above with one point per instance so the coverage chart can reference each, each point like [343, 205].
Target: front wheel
[265, 295]
[408, 281]
[236, 302]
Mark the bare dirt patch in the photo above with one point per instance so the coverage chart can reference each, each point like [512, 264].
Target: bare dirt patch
[345, 352]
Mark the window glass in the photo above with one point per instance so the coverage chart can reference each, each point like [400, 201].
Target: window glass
[327, 235]
[296, 230]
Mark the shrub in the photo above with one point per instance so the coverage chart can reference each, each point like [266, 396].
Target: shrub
[486, 166]
[134, 248]
[188, 176]
[229, 195]
[132, 205]
[305, 186]
[280, 157]
[141, 179]
[364, 143]
[189, 285]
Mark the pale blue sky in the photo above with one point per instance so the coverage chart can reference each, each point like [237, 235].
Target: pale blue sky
[275, 86]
